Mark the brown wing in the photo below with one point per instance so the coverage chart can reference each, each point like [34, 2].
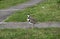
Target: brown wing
[32, 20]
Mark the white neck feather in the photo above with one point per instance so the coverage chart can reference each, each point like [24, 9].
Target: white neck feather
[28, 15]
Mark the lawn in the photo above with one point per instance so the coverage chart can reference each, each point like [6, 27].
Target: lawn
[8, 3]
[36, 33]
[45, 11]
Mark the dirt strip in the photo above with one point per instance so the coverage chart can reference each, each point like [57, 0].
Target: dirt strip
[14, 25]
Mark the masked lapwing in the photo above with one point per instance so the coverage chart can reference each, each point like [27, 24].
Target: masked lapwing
[31, 20]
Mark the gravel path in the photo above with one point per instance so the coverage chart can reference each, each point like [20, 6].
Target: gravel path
[4, 13]
[14, 25]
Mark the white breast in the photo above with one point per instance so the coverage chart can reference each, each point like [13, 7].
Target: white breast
[28, 19]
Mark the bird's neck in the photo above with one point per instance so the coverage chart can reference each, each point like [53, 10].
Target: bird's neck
[28, 15]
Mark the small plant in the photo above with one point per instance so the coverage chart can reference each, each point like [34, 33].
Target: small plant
[58, 3]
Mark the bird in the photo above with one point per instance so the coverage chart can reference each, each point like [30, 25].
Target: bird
[31, 20]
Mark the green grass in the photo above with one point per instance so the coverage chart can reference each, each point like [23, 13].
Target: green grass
[8, 3]
[36, 33]
[50, 12]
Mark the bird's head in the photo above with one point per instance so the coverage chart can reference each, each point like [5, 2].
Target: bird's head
[28, 15]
